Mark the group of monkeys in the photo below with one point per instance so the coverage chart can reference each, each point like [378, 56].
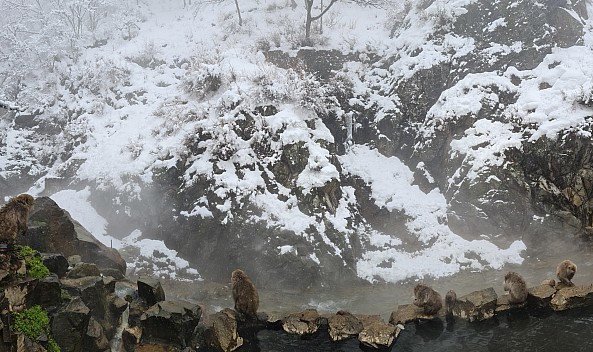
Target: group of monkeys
[13, 222]
[430, 300]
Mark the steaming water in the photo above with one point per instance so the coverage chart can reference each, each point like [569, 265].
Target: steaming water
[568, 331]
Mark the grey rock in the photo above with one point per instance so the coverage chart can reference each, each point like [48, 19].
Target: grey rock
[476, 306]
[343, 326]
[84, 269]
[572, 297]
[171, 321]
[378, 335]
[69, 324]
[303, 323]
[408, 313]
[150, 290]
[55, 263]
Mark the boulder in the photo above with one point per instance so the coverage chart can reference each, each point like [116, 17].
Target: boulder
[131, 336]
[218, 332]
[503, 304]
[303, 323]
[25, 344]
[408, 313]
[95, 339]
[84, 269]
[52, 230]
[48, 292]
[171, 321]
[150, 290]
[540, 297]
[19, 295]
[378, 335]
[55, 263]
[572, 297]
[476, 306]
[343, 326]
[69, 324]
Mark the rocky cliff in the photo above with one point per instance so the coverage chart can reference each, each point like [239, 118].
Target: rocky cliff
[459, 146]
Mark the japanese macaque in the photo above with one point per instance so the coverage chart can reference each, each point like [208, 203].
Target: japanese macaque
[13, 218]
[450, 299]
[516, 286]
[565, 272]
[428, 299]
[244, 294]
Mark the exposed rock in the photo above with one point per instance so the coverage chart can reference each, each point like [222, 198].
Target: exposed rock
[572, 297]
[503, 304]
[52, 230]
[55, 263]
[83, 270]
[19, 294]
[378, 335]
[540, 297]
[219, 332]
[171, 321]
[304, 323]
[343, 326]
[69, 324]
[25, 344]
[476, 306]
[131, 336]
[150, 290]
[95, 339]
[48, 292]
[408, 313]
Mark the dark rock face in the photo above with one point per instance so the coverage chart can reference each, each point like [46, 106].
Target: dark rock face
[150, 290]
[69, 324]
[55, 263]
[52, 230]
[219, 332]
[171, 321]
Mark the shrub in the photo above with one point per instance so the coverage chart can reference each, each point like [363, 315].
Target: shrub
[34, 323]
[35, 267]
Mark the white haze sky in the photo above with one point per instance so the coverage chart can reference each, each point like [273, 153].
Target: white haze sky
[171, 32]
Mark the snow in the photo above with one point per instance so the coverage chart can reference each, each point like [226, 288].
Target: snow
[443, 252]
[129, 140]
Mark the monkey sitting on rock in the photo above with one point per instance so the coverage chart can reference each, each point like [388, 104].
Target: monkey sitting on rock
[13, 218]
[517, 288]
[565, 272]
[428, 299]
[244, 294]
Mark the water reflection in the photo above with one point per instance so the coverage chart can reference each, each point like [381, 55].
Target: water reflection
[518, 331]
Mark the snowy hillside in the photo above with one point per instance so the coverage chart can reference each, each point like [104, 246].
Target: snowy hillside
[186, 139]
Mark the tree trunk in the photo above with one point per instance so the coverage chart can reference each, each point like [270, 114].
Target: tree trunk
[239, 12]
[309, 21]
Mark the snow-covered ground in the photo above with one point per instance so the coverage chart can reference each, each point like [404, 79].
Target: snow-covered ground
[126, 138]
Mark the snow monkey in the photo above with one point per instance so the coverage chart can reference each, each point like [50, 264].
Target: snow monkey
[428, 299]
[450, 299]
[565, 272]
[244, 294]
[13, 218]
[516, 286]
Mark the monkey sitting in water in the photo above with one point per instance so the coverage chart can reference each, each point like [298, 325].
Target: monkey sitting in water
[13, 218]
[516, 286]
[428, 299]
[244, 294]
[450, 300]
[565, 272]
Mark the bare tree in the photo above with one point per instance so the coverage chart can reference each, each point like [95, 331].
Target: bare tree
[310, 17]
[221, 1]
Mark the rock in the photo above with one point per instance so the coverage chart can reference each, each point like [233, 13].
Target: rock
[48, 292]
[131, 336]
[25, 344]
[407, 313]
[69, 324]
[343, 326]
[19, 295]
[503, 305]
[74, 259]
[95, 339]
[219, 332]
[572, 297]
[150, 290]
[98, 294]
[304, 323]
[476, 306]
[55, 263]
[540, 297]
[378, 335]
[171, 321]
[52, 230]
[84, 269]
